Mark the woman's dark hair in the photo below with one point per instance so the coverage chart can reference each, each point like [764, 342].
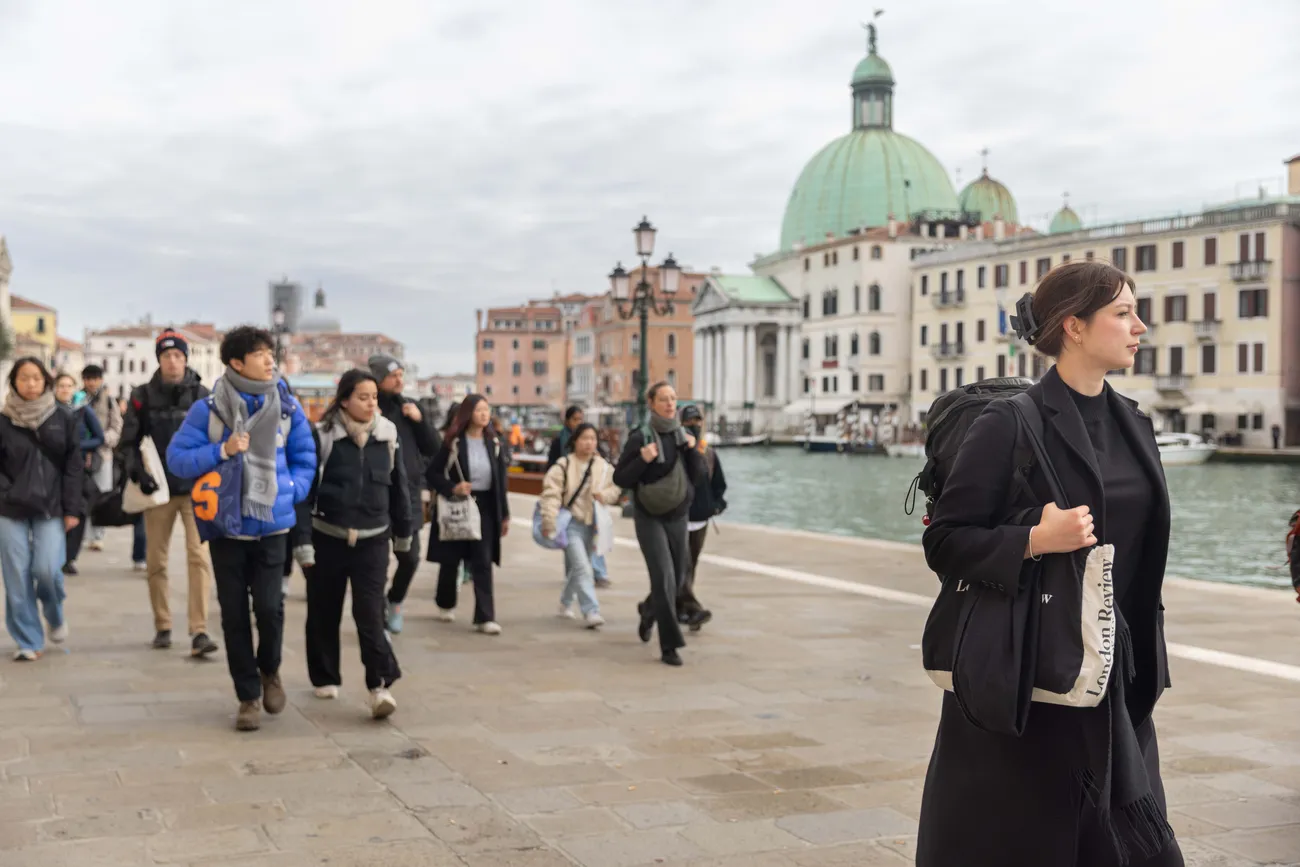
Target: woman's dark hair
[451, 416]
[348, 383]
[64, 375]
[572, 411]
[241, 342]
[25, 360]
[580, 430]
[1076, 289]
[465, 414]
[654, 389]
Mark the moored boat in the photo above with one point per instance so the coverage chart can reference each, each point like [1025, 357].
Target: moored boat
[1184, 449]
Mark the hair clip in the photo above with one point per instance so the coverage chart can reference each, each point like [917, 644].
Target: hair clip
[1023, 323]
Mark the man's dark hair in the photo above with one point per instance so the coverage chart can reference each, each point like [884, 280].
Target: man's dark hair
[92, 371]
[571, 412]
[241, 342]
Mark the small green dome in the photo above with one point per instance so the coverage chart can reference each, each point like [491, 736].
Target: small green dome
[1066, 220]
[858, 181]
[989, 199]
[873, 68]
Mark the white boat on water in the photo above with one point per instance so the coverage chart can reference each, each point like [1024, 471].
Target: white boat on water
[1183, 449]
[741, 442]
[905, 450]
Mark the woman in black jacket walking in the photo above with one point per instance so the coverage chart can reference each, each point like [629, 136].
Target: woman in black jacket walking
[659, 463]
[90, 436]
[472, 462]
[1082, 786]
[40, 500]
[361, 503]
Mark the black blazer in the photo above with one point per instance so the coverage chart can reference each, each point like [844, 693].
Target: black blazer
[498, 503]
[993, 799]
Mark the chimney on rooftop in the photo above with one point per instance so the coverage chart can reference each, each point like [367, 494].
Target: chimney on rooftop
[1293, 176]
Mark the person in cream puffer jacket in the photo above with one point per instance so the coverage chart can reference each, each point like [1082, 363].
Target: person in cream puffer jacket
[578, 481]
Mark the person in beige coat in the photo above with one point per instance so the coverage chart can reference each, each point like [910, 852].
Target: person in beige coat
[577, 482]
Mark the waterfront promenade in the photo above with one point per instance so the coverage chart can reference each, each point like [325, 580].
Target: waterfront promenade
[796, 735]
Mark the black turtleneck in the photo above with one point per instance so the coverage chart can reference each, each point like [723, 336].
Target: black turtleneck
[1127, 490]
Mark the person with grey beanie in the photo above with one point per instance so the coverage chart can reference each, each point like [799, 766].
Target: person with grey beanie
[419, 443]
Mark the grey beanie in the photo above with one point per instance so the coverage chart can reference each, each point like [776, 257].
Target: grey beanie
[382, 365]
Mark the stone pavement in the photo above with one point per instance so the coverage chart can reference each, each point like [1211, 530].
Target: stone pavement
[797, 734]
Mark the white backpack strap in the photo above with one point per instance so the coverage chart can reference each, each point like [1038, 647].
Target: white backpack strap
[216, 427]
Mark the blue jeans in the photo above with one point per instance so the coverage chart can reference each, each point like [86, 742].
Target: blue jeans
[598, 566]
[579, 580]
[32, 552]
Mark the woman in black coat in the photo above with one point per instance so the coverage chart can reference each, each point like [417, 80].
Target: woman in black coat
[360, 503]
[472, 462]
[41, 499]
[1082, 786]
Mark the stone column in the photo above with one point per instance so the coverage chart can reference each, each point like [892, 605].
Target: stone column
[793, 360]
[749, 372]
[724, 369]
[697, 365]
[782, 366]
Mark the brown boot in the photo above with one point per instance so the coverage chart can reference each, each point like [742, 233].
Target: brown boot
[273, 698]
[250, 717]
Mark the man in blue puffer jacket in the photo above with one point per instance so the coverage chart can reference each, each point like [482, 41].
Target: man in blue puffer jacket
[258, 418]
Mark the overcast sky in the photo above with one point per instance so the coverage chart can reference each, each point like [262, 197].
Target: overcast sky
[421, 159]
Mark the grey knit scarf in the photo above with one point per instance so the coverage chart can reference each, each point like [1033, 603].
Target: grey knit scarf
[260, 486]
[667, 427]
[30, 414]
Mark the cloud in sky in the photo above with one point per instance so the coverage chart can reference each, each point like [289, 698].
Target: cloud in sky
[421, 160]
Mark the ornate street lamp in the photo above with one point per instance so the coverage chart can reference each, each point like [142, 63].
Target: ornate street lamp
[640, 300]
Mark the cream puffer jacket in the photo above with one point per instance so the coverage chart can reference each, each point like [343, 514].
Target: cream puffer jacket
[556, 491]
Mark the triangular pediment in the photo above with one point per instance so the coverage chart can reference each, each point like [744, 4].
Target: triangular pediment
[710, 299]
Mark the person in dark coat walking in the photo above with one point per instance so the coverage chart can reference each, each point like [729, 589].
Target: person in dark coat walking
[560, 445]
[1082, 786]
[41, 499]
[362, 502]
[708, 502]
[659, 463]
[420, 442]
[90, 436]
[471, 463]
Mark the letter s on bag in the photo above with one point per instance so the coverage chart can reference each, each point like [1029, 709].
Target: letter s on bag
[204, 496]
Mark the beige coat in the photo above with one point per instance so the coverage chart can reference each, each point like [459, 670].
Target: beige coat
[556, 492]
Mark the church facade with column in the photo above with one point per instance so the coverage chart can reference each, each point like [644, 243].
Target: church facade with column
[746, 331]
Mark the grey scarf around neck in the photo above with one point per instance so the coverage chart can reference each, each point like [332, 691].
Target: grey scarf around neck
[260, 486]
[667, 427]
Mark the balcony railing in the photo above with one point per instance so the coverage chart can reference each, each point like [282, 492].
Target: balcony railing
[949, 351]
[944, 300]
[1249, 272]
[1176, 382]
[1207, 329]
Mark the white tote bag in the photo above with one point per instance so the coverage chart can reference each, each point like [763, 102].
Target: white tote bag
[135, 500]
[458, 517]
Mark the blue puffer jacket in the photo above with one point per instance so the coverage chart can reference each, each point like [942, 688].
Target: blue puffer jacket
[191, 454]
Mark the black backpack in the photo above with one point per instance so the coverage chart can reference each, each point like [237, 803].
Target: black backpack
[948, 420]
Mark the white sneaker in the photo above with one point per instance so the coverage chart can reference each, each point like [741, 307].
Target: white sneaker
[594, 620]
[60, 634]
[326, 693]
[382, 703]
[96, 546]
[491, 627]
[140, 567]
[446, 615]
[565, 612]
[26, 656]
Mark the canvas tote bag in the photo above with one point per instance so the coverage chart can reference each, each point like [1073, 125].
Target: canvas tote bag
[134, 500]
[458, 517]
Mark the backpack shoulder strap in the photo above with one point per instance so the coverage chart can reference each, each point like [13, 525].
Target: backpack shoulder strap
[216, 427]
[1031, 423]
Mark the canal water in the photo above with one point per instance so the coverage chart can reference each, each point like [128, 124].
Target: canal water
[1229, 520]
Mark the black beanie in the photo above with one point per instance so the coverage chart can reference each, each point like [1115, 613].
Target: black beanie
[169, 339]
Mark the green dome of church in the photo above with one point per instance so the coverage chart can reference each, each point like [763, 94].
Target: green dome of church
[860, 179]
[989, 199]
[1066, 220]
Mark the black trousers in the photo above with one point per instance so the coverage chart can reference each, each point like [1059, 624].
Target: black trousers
[366, 566]
[478, 557]
[73, 541]
[243, 568]
[687, 603]
[407, 563]
[667, 555]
